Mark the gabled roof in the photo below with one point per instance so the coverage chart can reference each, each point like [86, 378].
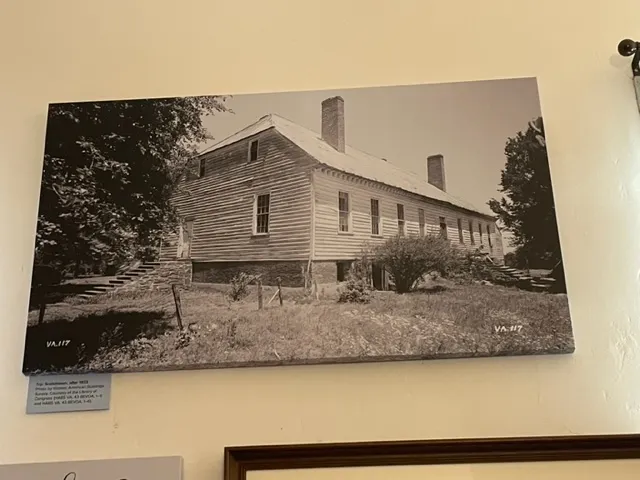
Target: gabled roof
[352, 161]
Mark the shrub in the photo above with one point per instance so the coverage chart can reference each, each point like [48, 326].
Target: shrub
[474, 266]
[239, 286]
[408, 259]
[357, 287]
[354, 291]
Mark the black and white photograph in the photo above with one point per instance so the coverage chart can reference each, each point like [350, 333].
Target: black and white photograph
[333, 226]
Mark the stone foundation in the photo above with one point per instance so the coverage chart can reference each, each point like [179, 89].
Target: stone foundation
[290, 273]
[170, 272]
[325, 272]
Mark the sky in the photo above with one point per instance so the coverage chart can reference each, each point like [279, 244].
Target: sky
[467, 122]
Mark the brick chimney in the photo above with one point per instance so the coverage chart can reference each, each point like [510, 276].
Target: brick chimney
[333, 122]
[435, 172]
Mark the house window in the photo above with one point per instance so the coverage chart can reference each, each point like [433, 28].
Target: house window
[375, 217]
[471, 234]
[460, 235]
[253, 150]
[480, 232]
[401, 222]
[489, 236]
[202, 167]
[421, 221]
[261, 208]
[443, 227]
[344, 212]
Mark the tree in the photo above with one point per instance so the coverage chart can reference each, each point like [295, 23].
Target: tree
[528, 208]
[109, 171]
[408, 259]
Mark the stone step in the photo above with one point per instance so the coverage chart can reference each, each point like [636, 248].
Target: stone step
[93, 292]
[540, 286]
[548, 280]
[117, 282]
[139, 271]
[84, 296]
[154, 264]
[145, 267]
[127, 276]
[103, 288]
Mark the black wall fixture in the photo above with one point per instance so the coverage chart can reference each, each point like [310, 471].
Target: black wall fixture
[628, 48]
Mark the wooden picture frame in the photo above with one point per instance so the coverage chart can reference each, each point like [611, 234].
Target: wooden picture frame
[240, 460]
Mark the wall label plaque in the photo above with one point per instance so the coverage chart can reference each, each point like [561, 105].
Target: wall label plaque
[68, 393]
[156, 468]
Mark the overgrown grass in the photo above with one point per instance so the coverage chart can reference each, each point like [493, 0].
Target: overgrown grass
[441, 322]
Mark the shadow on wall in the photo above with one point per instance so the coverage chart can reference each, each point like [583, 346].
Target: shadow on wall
[60, 344]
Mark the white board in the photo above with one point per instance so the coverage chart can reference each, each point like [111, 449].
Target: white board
[156, 468]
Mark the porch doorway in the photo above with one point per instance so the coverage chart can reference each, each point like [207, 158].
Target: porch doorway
[342, 270]
[380, 278]
[186, 239]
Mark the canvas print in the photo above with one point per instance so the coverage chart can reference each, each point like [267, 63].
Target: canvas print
[363, 224]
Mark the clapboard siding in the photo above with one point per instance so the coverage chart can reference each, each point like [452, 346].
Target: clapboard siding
[221, 203]
[332, 245]
[498, 248]
[169, 247]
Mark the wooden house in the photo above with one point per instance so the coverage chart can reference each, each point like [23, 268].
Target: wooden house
[278, 199]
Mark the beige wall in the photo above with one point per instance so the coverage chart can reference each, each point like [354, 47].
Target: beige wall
[77, 50]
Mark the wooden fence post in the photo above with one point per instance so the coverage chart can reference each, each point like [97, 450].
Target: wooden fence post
[304, 276]
[280, 290]
[273, 297]
[176, 299]
[315, 288]
[43, 306]
[307, 276]
[42, 298]
[259, 294]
